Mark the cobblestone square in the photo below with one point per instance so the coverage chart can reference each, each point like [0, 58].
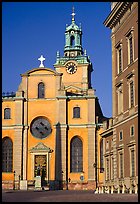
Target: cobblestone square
[64, 196]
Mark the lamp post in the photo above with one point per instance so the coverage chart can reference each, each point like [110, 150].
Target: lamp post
[102, 169]
[14, 181]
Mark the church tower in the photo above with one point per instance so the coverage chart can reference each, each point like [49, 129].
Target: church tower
[75, 64]
[76, 115]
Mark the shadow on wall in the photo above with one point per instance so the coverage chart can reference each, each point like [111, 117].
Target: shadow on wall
[57, 183]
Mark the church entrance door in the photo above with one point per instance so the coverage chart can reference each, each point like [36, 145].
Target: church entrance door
[40, 167]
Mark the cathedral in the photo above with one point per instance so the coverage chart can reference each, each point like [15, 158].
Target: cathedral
[51, 125]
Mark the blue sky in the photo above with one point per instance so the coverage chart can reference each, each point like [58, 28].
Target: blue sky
[30, 29]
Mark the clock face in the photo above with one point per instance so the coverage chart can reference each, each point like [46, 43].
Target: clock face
[40, 127]
[71, 68]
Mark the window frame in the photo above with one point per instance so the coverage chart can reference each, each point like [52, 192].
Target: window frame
[76, 166]
[121, 164]
[7, 156]
[76, 112]
[119, 58]
[130, 35]
[120, 98]
[132, 126]
[41, 93]
[7, 113]
[121, 132]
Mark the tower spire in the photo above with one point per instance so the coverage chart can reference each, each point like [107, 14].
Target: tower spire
[73, 14]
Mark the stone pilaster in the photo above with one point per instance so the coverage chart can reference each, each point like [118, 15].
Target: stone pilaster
[115, 155]
[61, 143]
[91, 153]
[17, 152]
[25, 136]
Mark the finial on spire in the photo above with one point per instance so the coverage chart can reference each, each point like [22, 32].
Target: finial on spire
[73, 14]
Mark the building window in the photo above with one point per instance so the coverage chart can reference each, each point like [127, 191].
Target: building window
[132, 162]
[107, 144]
[41, 90]
[130, 50]
[7, 155]
[112, 143]
[107, 169]
[72, 41]
[130, 41]
[121, 164]
[120, 99]
[131, 90]
[101, 156]
[120, 135]
[132, 131]
[7, 113]
[76, 155]
[119, 58]
[112, 167]
[76, 112]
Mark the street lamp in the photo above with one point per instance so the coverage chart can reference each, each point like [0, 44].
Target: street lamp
[14, 180]
[101, 170]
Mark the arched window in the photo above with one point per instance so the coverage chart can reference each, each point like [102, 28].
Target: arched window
[76, 155]
[41, 90]
[72, 41]
[7, 155]
[7, 113]
[76, 112]
[101, 156]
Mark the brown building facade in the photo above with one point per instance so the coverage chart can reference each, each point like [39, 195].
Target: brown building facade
[121, 137]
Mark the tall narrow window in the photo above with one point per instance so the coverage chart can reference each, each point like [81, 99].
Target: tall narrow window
[101, 156]
[120, 135]
[120, 99]
[132, 162]
[76, 112]
[132, 131]
[107, 169]
[130, 49]
[76, 156]
[112, 167]
[119, 53]
[72, 41]
[7, 113]
[131, 94]
[130, 41]
[41, 90]
[121, 165]
[7, 155]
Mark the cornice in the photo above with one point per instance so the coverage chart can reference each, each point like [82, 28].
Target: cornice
[116, 13]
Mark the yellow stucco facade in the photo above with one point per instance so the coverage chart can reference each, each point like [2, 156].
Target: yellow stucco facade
[49, 125]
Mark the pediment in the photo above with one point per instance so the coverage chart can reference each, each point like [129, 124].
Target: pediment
[72, 88]
[37, 71]
[40, 147]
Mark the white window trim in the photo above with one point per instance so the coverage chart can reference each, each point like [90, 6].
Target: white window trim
[130, 149]
[133, 130]
[112, 166]
[119, 47]
[107, 144]
[130, 34]
[131, 80]
[120, 99]
[119, 152]
[107, 170]
[122, 135]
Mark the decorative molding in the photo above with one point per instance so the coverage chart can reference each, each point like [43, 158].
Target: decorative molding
[40, 147]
